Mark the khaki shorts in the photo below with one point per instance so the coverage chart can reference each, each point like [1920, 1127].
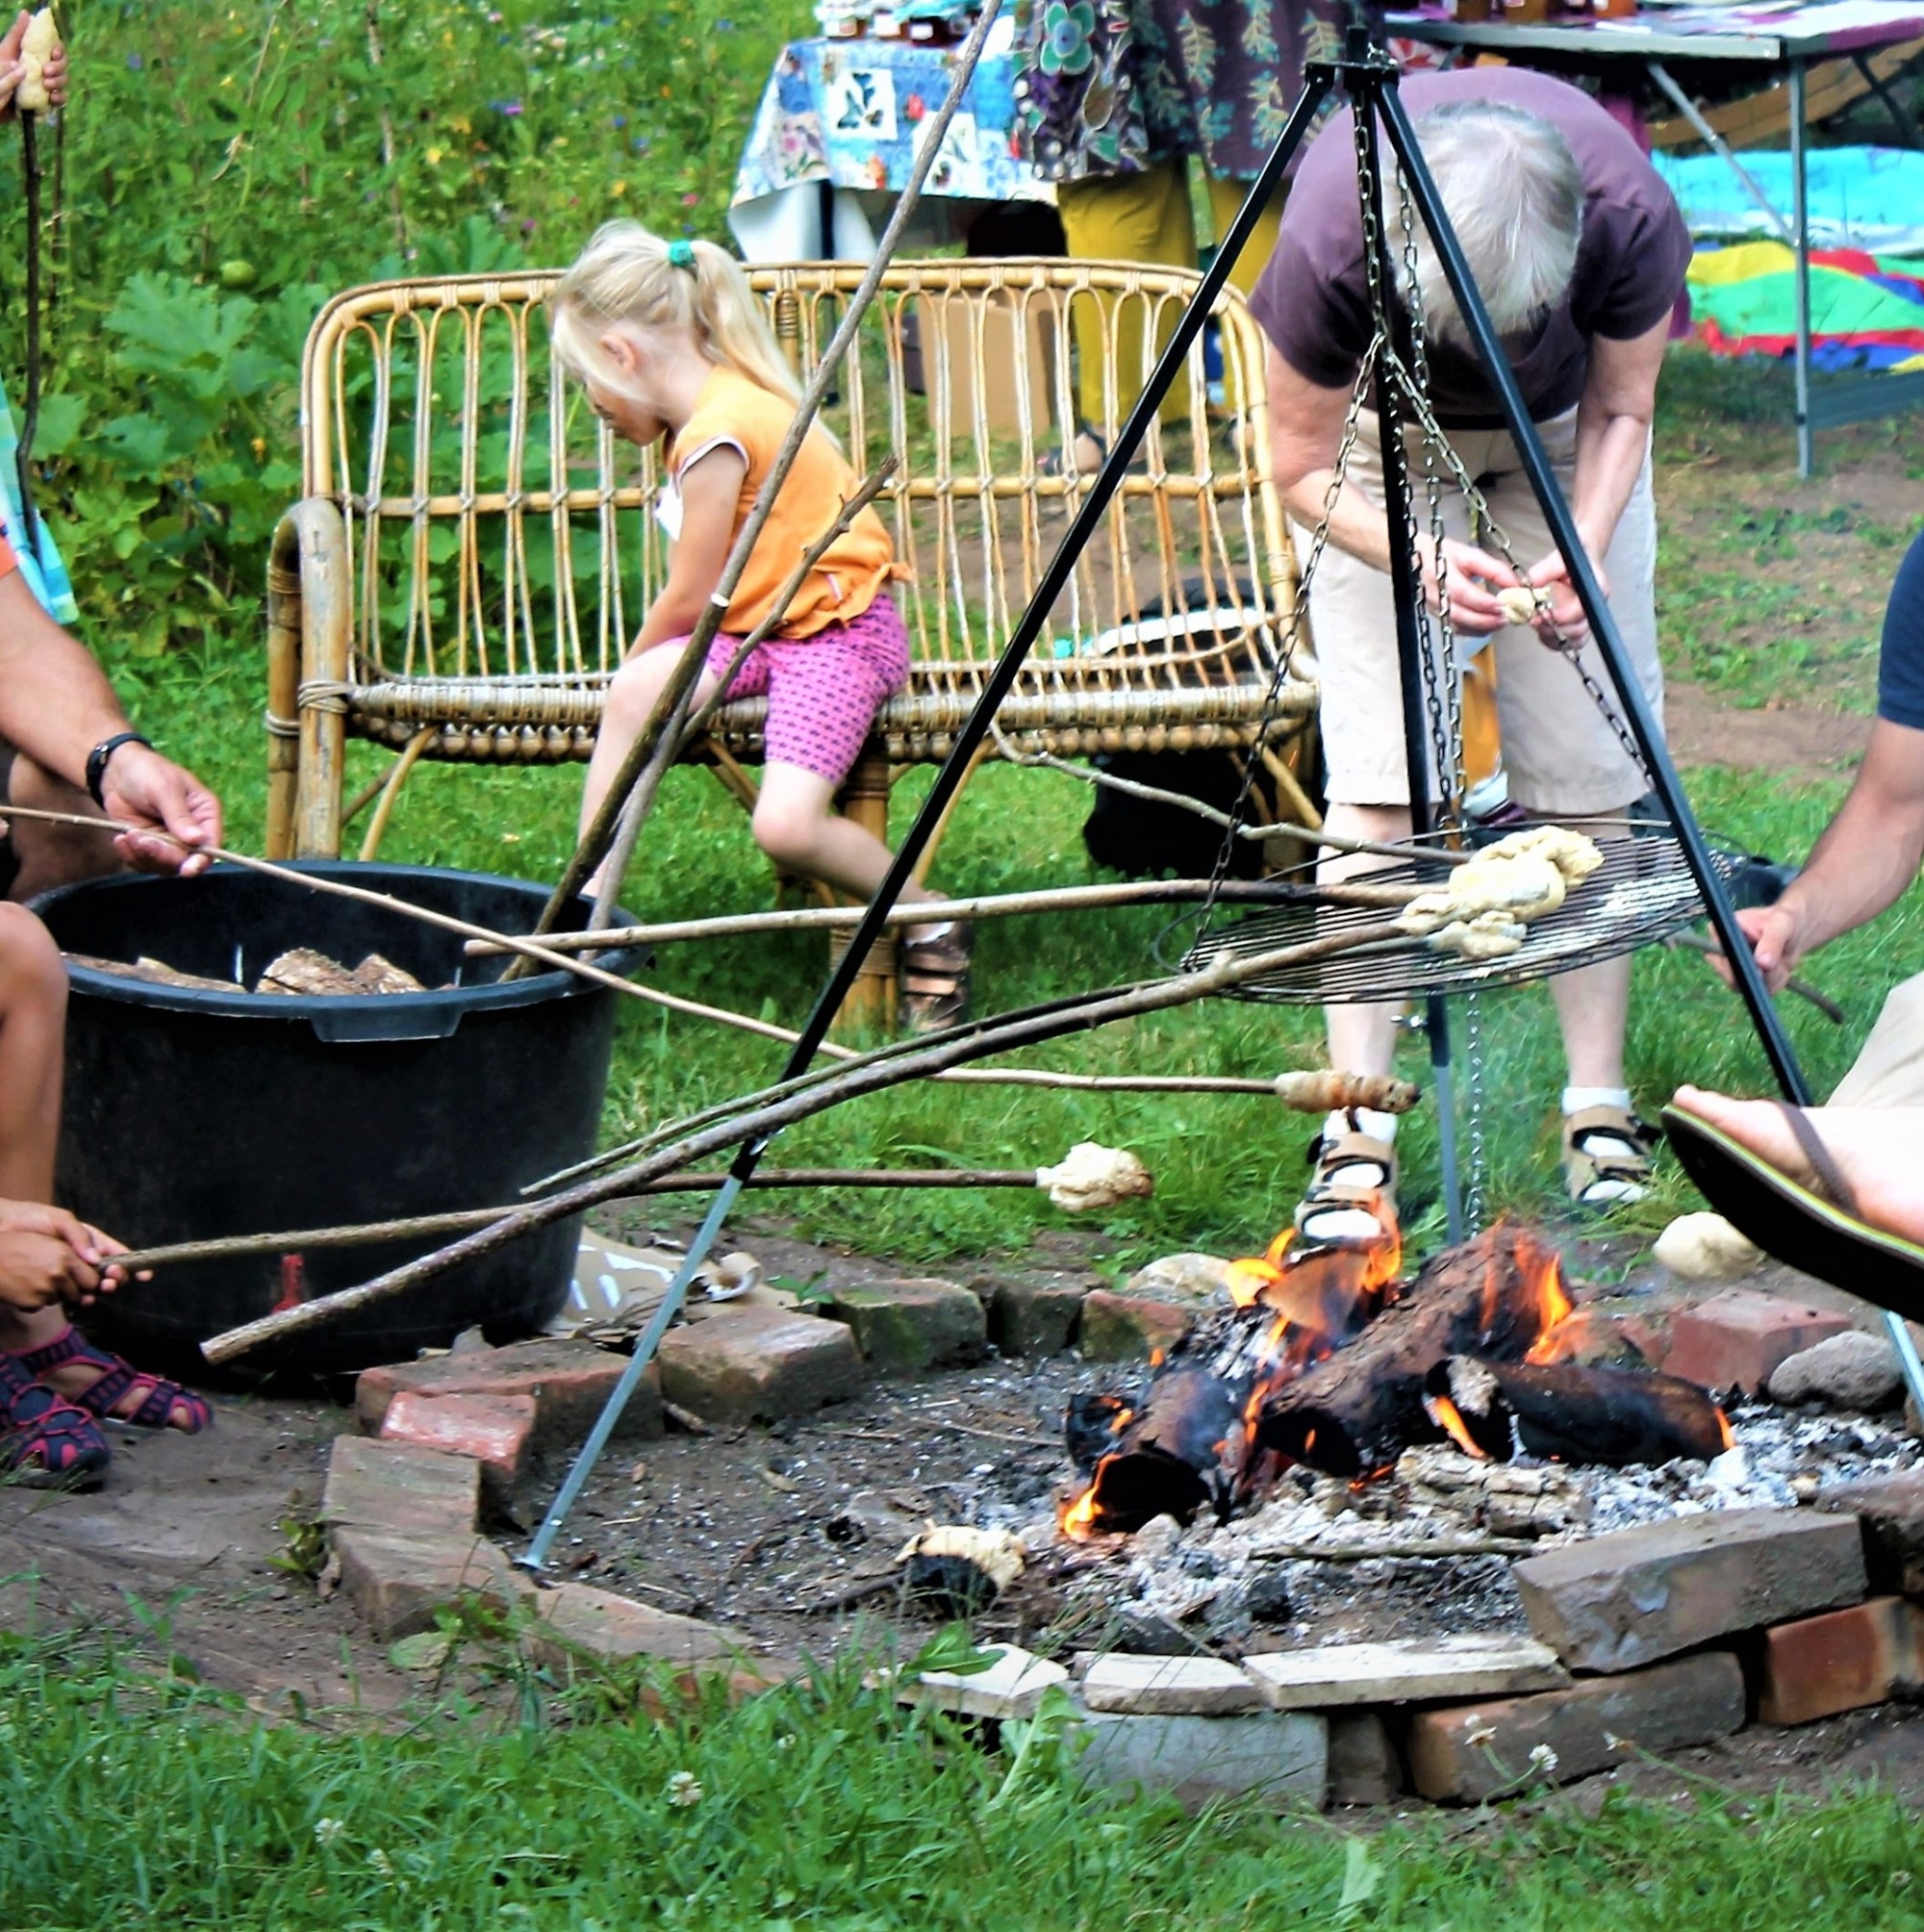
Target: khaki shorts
[1562, 758]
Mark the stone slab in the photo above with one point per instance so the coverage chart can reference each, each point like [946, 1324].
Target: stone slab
[1365, 1768]
[574, 1617]
[1890, 1509]
[758, 1365]
[399, 1583]
[1352, 1674]
[1843, 1661]
[910, 1327]
[1276, 1757]
[1133, 1328]
[1032, 1316]
[567, 1381]
[1012, 1687]
[400, 1490]
[1171, 1686]
[1470, 1752]
[1619, 1601]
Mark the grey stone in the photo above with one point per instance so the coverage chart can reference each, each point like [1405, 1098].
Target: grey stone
[1364, 1768]
[1280, 1757]
[1890, 1509]
[1400, 1673]
[398, 1583]
[1202, 1687]
[1202, 1279]
[1851, 1371]
[913, 1326]
[1033, 1315]
[1012, 1687]
[1619, 1601]
[575, 1617]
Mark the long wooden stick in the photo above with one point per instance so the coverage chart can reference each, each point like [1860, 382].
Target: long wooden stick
[988, 905]
[759, 1119]
[670, 707]
[421, 1227]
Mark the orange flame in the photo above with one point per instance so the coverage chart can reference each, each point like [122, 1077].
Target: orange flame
[1078, 1515]
[1449, 1418]
[1729, 1434]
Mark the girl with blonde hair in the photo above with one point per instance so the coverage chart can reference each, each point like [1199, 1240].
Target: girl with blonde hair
[670, 342]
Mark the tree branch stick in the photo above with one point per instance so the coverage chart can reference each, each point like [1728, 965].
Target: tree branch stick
[758, 1118]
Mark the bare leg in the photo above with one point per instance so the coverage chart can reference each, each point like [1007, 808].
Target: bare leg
[52, 855]
[33, 1024]
[797, 824]
[1362, 1040]
[1594, 1010]
[1877, 1150]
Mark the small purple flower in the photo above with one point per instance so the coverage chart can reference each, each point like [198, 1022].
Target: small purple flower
[509, 108]
[135, 61]
[640, 143]
[620, 120]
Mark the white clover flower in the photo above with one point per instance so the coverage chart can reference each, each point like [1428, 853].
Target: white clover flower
[327, 1829]
[1542, 1759]
[1483, 1733]
[1611, 1741]
[684, 1789]
[379, 1861]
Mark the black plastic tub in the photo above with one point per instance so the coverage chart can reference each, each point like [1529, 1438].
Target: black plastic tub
[191, 1113]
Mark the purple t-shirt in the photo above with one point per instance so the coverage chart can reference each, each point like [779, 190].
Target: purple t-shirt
[1313, 297]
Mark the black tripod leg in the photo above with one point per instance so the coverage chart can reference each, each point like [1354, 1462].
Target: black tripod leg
[1644, 726]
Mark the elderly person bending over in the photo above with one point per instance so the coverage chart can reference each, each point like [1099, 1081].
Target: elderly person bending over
[1580, 253]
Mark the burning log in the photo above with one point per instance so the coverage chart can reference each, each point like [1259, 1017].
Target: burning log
[1358, 1410]
[1569, 1414]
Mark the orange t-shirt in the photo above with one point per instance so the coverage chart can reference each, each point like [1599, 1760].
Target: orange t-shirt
[850, 574]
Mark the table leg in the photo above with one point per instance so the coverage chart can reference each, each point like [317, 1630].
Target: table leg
[1801, 221]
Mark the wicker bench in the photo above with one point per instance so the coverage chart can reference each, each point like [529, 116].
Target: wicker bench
[473, 550]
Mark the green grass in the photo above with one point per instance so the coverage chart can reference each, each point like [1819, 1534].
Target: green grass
[137, 1799]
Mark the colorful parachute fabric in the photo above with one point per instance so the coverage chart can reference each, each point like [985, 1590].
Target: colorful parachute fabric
[1866, 311]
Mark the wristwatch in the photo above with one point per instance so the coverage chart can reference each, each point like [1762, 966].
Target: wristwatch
[96, 761]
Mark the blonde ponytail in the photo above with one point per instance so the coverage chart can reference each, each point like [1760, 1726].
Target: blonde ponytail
[626, 274]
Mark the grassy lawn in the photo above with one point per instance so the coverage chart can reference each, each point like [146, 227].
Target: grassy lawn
[570, 1817]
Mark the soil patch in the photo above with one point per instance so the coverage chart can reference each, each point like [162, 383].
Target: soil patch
[1792, 739]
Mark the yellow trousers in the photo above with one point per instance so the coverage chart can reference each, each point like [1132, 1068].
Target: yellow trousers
[1143, 218]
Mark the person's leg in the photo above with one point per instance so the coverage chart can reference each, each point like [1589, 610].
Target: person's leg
[1879, 1151]
[1225, 198]
[50, 855]
[1566, 762]
[1127, 217]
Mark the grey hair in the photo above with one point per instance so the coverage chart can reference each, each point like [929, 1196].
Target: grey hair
[1514, 196]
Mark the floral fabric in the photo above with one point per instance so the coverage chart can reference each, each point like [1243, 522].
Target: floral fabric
[1113, 87]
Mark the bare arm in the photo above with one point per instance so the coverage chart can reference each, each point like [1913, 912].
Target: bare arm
[1305, 434]
[1613, 418]
[56, 705]
[711, 491]
[1868, 855]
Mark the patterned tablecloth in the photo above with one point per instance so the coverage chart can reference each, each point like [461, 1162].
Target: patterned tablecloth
[850, 112]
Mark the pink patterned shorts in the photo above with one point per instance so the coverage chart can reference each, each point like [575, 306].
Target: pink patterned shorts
[824, 691]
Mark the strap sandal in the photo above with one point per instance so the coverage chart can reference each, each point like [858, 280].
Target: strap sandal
[1606, 1156]
[46, 1441]
[935, 980]
[157, 1402]
[1350, 1200]
[1067, 460]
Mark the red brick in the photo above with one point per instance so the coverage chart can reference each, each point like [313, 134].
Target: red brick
[1471, 1751]
[758, 1365]
[399, 1583]
[575, 1618]
[399, 1490]
[569, 1381]
[1738, 1339]
[1841, 1662]
[1133, 1328]
[1617, 1601]
[498, 1430]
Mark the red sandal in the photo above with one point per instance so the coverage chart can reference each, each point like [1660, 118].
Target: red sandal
[159, 1398]
[46, 1441]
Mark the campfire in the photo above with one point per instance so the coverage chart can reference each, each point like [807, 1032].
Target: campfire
[1330, 1361]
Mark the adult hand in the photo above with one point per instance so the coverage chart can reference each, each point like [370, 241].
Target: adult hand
[53, 72]
[1776, 935]
[149, 790]
[1566, 621]
[1470, 578]
[47, 1256]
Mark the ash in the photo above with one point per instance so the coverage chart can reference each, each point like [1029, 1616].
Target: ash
[1425, 1550]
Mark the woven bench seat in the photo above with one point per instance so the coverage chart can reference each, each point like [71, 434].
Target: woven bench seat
[474, 552]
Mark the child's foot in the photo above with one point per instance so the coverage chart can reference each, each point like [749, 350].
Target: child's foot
[111, 1389]
[935, 977]
[46, 1441]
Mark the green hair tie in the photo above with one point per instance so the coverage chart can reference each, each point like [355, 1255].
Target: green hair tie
[681, 254]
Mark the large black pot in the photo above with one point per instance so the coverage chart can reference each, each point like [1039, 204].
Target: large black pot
[194, 1113]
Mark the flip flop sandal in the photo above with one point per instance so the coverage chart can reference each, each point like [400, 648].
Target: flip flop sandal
[159, 1398]
[1352, 1192]
[46, 1442]
[1816, 1230]
[1606, 1154]
[935, 980]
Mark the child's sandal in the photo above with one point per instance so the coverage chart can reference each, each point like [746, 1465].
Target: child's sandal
[46, 1441]
[157, 1400]
[935, 980]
